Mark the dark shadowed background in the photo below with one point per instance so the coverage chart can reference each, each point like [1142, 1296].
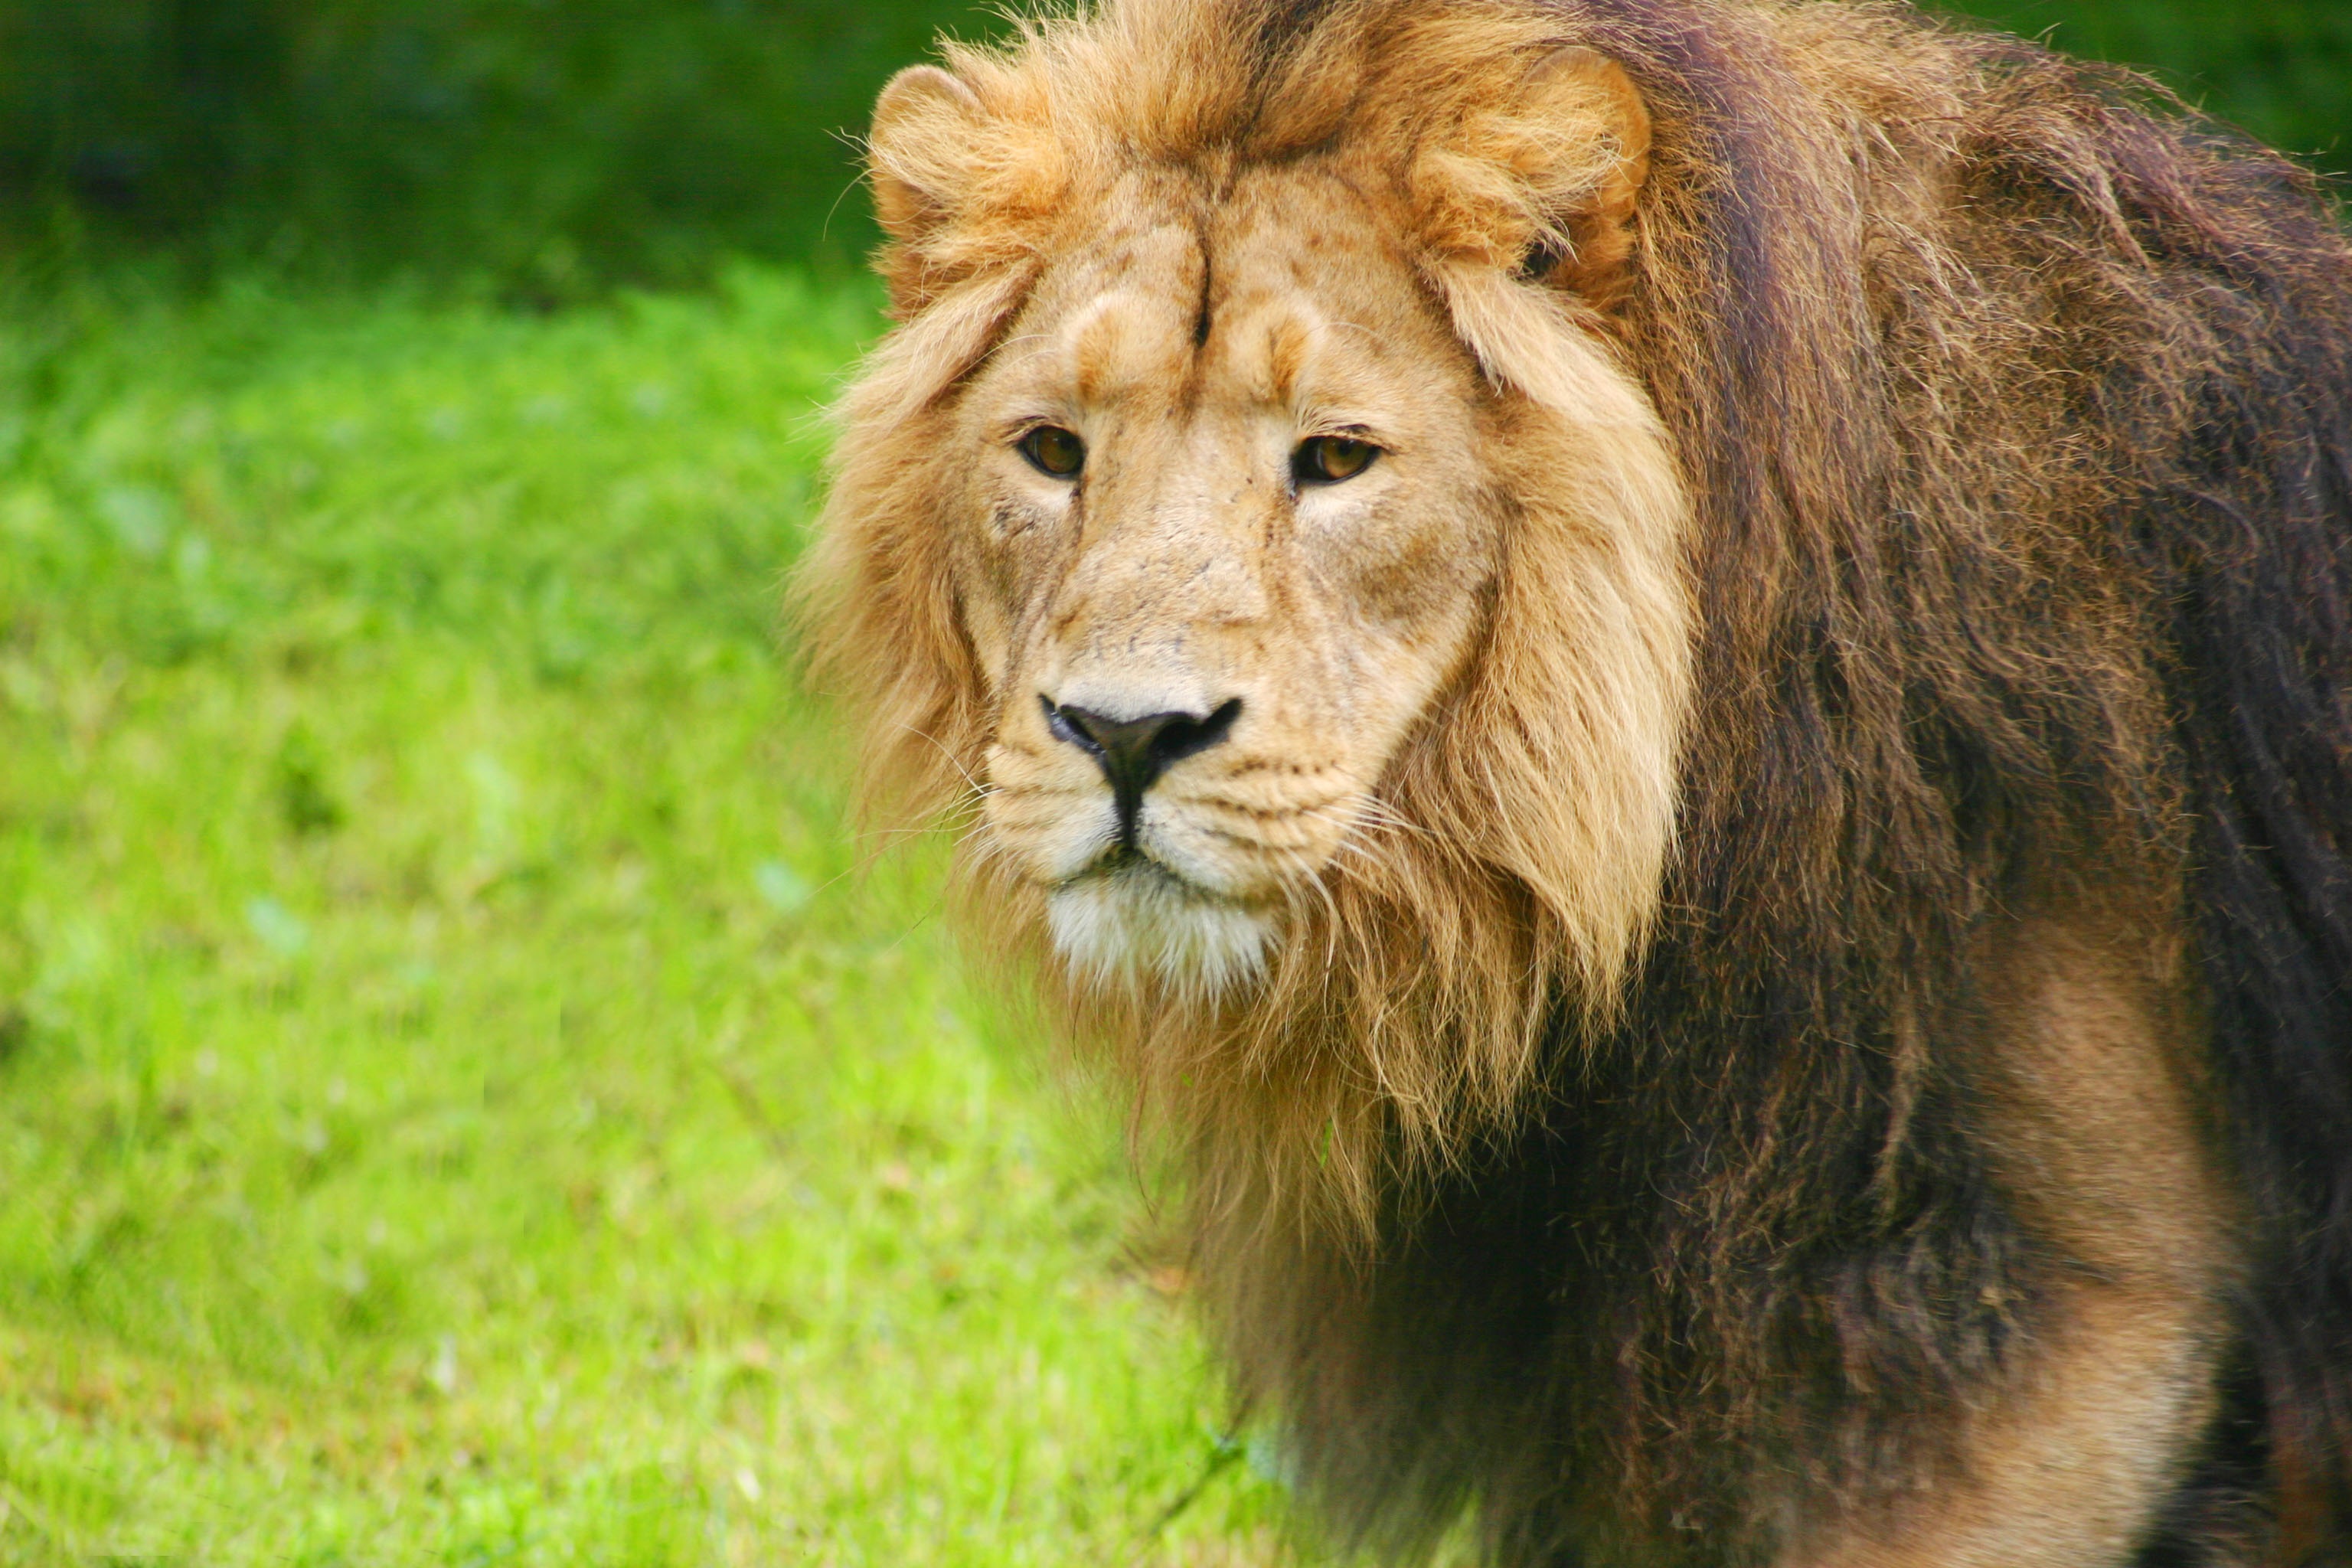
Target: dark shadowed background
[555, 143]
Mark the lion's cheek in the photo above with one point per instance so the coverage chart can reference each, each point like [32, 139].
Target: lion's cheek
[989, 631]
[1000, 572]
[1415, 578]
[1409, 586]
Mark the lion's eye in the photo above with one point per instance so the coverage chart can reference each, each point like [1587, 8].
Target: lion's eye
[1053, 450]
[1325, 458]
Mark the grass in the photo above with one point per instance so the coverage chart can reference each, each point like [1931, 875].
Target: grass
[465, 1095]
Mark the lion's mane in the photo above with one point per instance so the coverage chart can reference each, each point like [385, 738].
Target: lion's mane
[2015, 405]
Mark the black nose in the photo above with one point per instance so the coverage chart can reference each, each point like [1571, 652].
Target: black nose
[1134, 752]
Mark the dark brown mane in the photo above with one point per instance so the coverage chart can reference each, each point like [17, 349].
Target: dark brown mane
[2018, 402]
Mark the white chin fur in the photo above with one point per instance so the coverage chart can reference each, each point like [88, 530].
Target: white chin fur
[1112, 929]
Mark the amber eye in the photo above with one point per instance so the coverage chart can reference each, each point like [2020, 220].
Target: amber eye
[1053, 450]
[1325, 458]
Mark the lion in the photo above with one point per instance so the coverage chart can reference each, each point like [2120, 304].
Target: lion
[1672, 678]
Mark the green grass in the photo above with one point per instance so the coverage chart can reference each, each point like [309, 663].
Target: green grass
[466, 1095]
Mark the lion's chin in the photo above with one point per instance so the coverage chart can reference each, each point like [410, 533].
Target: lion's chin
[1114, 927]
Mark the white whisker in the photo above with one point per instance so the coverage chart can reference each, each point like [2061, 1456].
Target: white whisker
[954, 762]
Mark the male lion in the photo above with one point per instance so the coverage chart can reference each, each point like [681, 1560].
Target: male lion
[1675, 671]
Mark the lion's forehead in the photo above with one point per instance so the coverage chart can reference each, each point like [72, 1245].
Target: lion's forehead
[1114, 320]
[1278, 288]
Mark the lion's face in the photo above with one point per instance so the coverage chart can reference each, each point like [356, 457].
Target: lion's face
[1225, 539]
[1254, 514]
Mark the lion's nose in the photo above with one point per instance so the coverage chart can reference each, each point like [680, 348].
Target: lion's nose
[1134, 752]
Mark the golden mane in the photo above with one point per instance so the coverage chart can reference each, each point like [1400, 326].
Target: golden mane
[2009, 413]
[1407, 1012]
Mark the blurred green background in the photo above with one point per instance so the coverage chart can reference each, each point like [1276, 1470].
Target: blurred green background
[468, 1094]
[550, 145]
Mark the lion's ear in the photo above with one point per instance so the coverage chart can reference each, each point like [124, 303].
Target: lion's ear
[1544, 181]
[962, 183]
[1585, 88]
[920, 152]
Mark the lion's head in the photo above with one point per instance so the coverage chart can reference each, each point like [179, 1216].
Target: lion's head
[1253, 513]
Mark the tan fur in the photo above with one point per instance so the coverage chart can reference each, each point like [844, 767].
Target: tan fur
[2101, 1104]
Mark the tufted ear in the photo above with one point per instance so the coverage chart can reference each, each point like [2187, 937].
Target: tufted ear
[1542, 181]
[919, 153]
[1597, 261]
[965, 176]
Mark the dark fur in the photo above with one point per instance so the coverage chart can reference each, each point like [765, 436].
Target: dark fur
[2009, 576]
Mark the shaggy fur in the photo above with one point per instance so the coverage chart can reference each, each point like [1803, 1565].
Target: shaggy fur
[1711, 1192]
